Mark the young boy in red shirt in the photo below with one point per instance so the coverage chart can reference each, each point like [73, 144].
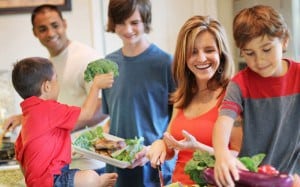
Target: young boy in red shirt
[43, 147]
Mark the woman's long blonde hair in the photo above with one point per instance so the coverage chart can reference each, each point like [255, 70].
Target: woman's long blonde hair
[184, 78]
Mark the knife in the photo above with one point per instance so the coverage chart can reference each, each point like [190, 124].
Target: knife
[161, 179]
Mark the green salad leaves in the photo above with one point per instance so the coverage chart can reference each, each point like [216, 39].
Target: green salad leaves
[252, 163]
[202, 160]
[127, 154]
[194, 167]
[86, 139]
[100, 66]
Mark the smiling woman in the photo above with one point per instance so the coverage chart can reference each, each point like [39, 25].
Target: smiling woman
[202, 67]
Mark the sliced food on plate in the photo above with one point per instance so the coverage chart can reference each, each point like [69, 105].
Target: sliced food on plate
[94, 143]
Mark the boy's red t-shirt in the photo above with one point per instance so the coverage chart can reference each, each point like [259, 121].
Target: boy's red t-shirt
[43, 146]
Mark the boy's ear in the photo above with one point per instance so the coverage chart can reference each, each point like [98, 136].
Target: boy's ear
[46, 87]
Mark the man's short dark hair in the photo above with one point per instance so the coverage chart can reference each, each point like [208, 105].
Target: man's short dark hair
[42, 8]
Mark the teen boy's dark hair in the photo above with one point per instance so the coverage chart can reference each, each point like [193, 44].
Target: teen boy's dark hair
[29, 74]
[120, 10]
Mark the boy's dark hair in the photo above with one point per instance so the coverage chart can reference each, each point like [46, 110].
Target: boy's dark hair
[120, 10]
[29, 74]
[256, 21]
[42, 8]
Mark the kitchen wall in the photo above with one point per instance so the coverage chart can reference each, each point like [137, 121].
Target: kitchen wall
[168, 17]
[86, 23]
[17, 40]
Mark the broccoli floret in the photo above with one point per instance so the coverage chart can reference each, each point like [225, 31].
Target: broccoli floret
[100, 66]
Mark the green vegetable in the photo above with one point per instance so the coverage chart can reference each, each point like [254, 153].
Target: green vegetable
[86, 139]
[253, 162]
[128, 153]
[194, 167]
[202, 160]
[100, 66]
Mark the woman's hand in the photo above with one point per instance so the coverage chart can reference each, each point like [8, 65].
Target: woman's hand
[189, 141]
[157, 153]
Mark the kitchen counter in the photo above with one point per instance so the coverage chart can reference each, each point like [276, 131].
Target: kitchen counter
[11, 175]
[11, 178]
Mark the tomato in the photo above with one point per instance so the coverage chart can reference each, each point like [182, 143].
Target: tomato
[267, 169]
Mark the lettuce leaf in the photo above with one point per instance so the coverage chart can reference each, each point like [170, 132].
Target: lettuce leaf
[86, 139]
[127, 154]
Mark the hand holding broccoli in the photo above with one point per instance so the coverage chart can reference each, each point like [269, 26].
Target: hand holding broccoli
[100, 66]
[103, 81]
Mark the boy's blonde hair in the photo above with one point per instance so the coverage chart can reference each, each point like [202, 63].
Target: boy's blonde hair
[256, 21]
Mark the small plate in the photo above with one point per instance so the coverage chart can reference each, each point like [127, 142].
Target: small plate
[97, 156]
